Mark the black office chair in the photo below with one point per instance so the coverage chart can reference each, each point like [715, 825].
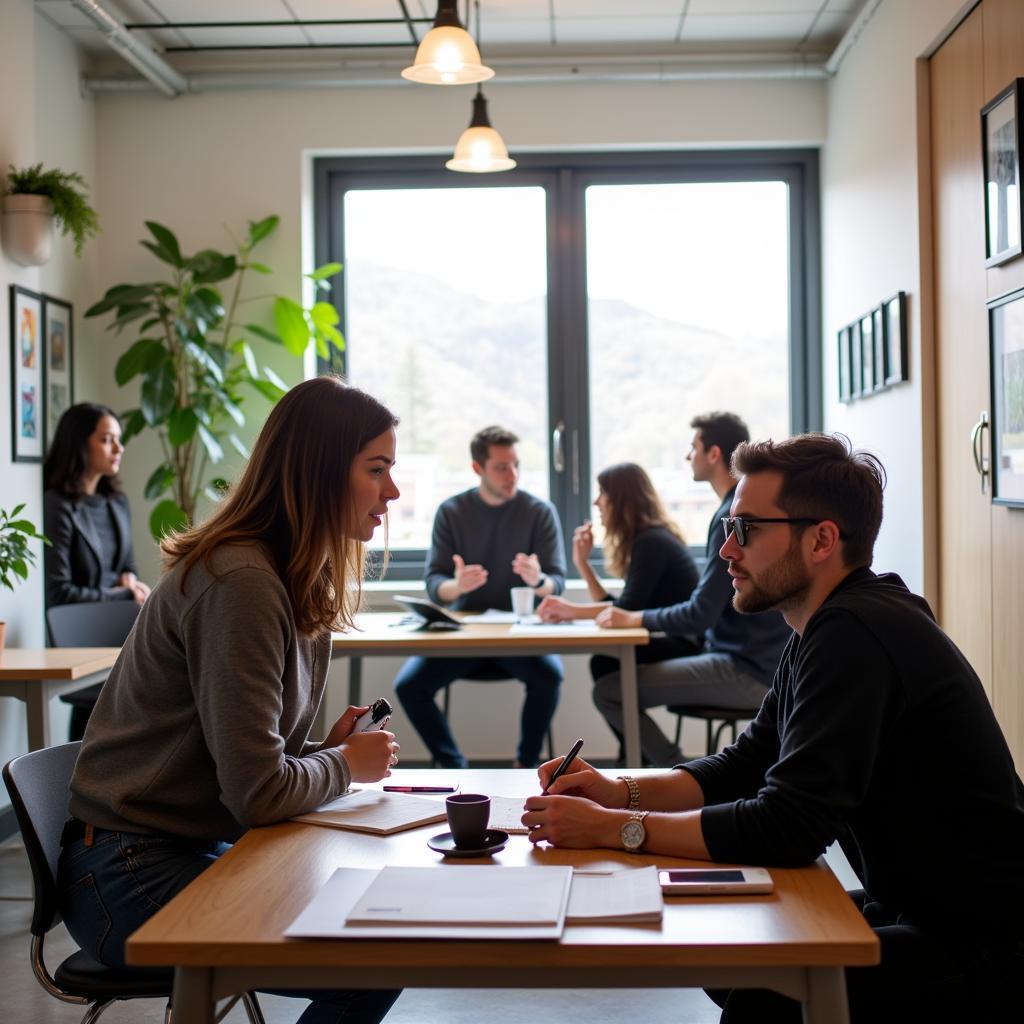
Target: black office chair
[38, 784]
[89, 624]
[716, 721]
[486, 675]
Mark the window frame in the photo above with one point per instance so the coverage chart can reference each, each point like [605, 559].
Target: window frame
[565, 177]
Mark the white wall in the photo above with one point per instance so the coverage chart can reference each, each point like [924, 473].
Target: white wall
[871, 249]
[42, 118]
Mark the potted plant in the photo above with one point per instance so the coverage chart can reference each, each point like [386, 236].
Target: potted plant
[196, 363]
[15, 554]
[36, 199]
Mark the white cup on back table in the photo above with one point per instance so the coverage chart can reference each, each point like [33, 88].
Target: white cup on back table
[522, 602]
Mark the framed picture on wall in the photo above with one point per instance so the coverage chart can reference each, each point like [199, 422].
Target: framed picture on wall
[58, 364]
[26, 375]
[843, 361]
[1000, 148]
[1006, 362]
[867, 355]
[856, 361]
[895, 320]
[878, 333]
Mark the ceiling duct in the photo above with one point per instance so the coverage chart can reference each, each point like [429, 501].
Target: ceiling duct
[141, 57]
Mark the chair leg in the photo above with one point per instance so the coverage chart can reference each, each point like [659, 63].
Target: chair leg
[93, 1013]
[252, 1008]
[679, 731]
[710, 737]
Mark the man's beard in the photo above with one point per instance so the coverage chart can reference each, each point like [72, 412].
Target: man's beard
[780, 586]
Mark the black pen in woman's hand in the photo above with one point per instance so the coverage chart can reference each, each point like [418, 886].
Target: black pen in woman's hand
[564, 766]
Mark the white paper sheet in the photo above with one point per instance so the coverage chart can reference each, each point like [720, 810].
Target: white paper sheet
[534, 627]
[370, 810]
[324, 917]
[630, 896]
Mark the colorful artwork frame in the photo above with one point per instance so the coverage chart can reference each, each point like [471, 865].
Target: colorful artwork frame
[27, 392]
[59, 364]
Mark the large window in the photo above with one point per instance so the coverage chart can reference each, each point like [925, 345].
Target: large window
[592, 303]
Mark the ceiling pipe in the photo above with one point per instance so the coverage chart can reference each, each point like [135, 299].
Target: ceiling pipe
[541, 72]
[141, 57]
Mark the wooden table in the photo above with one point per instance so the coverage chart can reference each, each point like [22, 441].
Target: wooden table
[385, 635]
[36, 675]
[223, 934]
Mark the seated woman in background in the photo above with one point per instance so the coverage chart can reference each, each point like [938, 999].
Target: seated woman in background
[643, 547]
[86, 517]
[200, 733]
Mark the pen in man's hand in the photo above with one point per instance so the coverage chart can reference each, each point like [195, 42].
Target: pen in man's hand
[419, 789]
[564, 766]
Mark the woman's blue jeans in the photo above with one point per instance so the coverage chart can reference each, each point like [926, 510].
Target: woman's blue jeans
[109, 889]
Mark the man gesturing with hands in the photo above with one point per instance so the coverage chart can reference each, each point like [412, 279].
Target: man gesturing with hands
[486, 541]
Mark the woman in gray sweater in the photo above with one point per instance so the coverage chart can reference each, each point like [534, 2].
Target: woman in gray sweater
[200, 732]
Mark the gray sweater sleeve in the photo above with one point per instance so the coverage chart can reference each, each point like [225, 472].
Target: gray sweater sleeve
[550, 549]
[235, 648]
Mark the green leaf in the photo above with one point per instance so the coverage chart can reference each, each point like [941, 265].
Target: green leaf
[323, 314]
[181, 427]
[260, 229]
[167, 517]
[121, 295]
[268, 389]
[160, 479]
[201, 356]
[231, 409]
[132, 423]
[14, 511]
[19, 566]
[274, 378]
[248, 357]
[262, 332]
[327, 270]
[166, 247]
[23, 525]
[290, 321]
[209, 266]
[211, 444]
[260, 268]
[158, 393]
[144, 354]
[239, 445]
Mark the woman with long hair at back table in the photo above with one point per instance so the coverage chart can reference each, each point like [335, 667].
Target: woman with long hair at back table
[644, 548]
[200, 732]
[87, 519]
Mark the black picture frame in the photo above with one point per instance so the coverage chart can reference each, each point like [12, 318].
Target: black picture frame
[878, 335]
[58, 363]
[856, 365]
[843, 364]
[894, 318]
[867, 355]
[1006, 373]
[1001, 144]
[27, 393]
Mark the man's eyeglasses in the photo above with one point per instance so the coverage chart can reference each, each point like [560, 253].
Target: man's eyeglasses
[739, 524]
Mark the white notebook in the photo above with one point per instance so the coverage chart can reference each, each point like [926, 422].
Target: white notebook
[505, 814]
[369, 810]
[630, 896]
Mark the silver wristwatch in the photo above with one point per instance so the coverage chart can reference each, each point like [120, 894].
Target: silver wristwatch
[634, 791]
[633, 832]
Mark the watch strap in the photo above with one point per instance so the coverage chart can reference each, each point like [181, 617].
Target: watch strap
[540, 583]
[634, 791]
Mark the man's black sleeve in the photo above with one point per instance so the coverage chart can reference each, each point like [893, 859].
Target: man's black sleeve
[440, 564]
[549, 549]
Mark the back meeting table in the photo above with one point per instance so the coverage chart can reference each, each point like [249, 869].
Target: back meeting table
[224, 933]
[36, 675]
[380, 634]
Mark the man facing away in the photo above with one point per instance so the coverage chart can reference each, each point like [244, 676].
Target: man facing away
[486, 541]
[737, 655]
[876, 733]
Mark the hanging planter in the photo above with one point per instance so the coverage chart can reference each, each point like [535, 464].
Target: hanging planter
[28, 224]
[37, 201]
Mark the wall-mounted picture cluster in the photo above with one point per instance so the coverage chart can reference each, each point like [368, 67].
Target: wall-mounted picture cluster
[1006, 362]
[42, 345]
[1002, 128]
[873, 350]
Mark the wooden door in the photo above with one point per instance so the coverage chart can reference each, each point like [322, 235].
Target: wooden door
[961, 337]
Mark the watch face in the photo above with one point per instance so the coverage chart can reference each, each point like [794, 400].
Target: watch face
[633, 833]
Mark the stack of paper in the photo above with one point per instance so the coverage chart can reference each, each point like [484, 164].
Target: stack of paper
[468, 902]
[631, 896]
[506, 814]
[369, 810]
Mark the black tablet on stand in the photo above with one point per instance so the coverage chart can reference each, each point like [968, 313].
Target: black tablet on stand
[430, 615]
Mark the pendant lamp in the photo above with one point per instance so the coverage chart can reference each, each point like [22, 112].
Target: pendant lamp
[480, 148]
[447, 55]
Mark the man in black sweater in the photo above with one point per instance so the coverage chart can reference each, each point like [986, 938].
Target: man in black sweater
[735, 656]
[486, 541]
[876, 733]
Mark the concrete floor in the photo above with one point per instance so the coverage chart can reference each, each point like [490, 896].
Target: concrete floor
[24, 1001]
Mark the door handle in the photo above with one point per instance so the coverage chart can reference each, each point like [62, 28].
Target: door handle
[558, 447]
[981, 461]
